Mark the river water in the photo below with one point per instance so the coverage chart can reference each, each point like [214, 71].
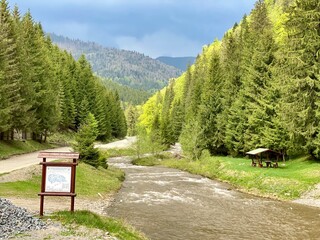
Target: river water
[168, 204]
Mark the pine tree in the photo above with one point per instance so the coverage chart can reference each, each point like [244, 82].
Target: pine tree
[236, 127]
[47, 97]
[62, 62]
[132, 119]
[4, 106]
[303, 71]
[177, 120]
[9, 60]
[165, 124]
[191, 139]
[211, 104]
[85, 96]
[258, 76]
[85, 138]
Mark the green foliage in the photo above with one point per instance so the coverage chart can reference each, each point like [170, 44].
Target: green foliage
[61, 138]
[165, 127]
[191, 139]
[43, 89]
[148, 143]
[85, 137]
[88, 219]
[118, 152]
[303, 64]
[127, 94]
[132, 115]
[257, 87]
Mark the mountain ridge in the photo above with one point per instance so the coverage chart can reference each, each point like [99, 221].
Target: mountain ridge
[125, 67]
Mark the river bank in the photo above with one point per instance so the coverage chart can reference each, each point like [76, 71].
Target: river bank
[167, 203]
[295, 180]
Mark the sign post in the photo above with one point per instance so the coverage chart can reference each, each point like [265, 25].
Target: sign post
[58, 178]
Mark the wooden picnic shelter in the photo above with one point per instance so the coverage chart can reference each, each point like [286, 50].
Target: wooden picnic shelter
[260, 155]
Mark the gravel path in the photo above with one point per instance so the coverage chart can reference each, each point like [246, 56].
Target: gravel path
[29, 159]
[26, 160]
[124, 143]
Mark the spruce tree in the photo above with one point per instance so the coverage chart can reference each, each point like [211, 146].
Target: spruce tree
[10, 65]
[211, 104]
[177, 120]
[85, 138]
[165, 123]
[132, 119]
[303, 28]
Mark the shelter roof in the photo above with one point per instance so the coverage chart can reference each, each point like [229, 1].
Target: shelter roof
[258, 150]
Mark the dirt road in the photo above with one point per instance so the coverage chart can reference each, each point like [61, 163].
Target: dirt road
[26, 160]
[29, 159]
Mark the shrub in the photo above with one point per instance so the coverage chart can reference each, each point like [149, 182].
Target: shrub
[85, 137]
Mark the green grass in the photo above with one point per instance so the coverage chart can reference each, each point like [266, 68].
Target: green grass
[9, 148]
[89, 182]
[88, 219]
[62, 138]
[286, 182]
[117, 152]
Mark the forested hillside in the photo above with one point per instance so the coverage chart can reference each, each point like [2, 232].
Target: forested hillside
[257, 87]
[43, 89]
[126, 93]
[128, 68]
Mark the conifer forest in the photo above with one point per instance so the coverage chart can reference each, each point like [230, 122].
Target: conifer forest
[43, 89]
[257, 87]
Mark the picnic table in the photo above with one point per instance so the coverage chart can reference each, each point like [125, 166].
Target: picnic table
[260, 155]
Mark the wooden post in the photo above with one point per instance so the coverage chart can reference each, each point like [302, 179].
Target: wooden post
[42, 186]
[73, 184]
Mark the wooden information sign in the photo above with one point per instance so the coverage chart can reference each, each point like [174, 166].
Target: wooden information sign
[58, 178]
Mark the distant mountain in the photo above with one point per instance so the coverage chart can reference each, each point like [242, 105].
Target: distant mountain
[128, 94]
[128, 68]
[179, 62]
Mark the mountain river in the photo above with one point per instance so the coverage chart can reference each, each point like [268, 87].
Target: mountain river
[168, 204]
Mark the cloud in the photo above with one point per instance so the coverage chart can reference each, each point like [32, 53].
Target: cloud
[71, 29]
[161, 43]
[153, 27]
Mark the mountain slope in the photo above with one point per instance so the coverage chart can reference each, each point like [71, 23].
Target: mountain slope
[181, 63]
[125, 67]
[126, 93]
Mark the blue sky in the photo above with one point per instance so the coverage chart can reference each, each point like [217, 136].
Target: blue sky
[154, 27]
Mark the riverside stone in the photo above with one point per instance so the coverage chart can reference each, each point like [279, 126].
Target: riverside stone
[15, 220]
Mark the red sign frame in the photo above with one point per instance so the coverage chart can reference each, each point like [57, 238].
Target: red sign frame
[58, 155]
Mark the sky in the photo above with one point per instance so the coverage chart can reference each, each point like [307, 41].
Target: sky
[155, 28]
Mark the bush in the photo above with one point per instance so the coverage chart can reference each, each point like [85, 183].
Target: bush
[85, 137]
[191, 140]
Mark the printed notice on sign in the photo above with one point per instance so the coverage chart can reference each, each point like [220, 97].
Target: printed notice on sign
[58, 179]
